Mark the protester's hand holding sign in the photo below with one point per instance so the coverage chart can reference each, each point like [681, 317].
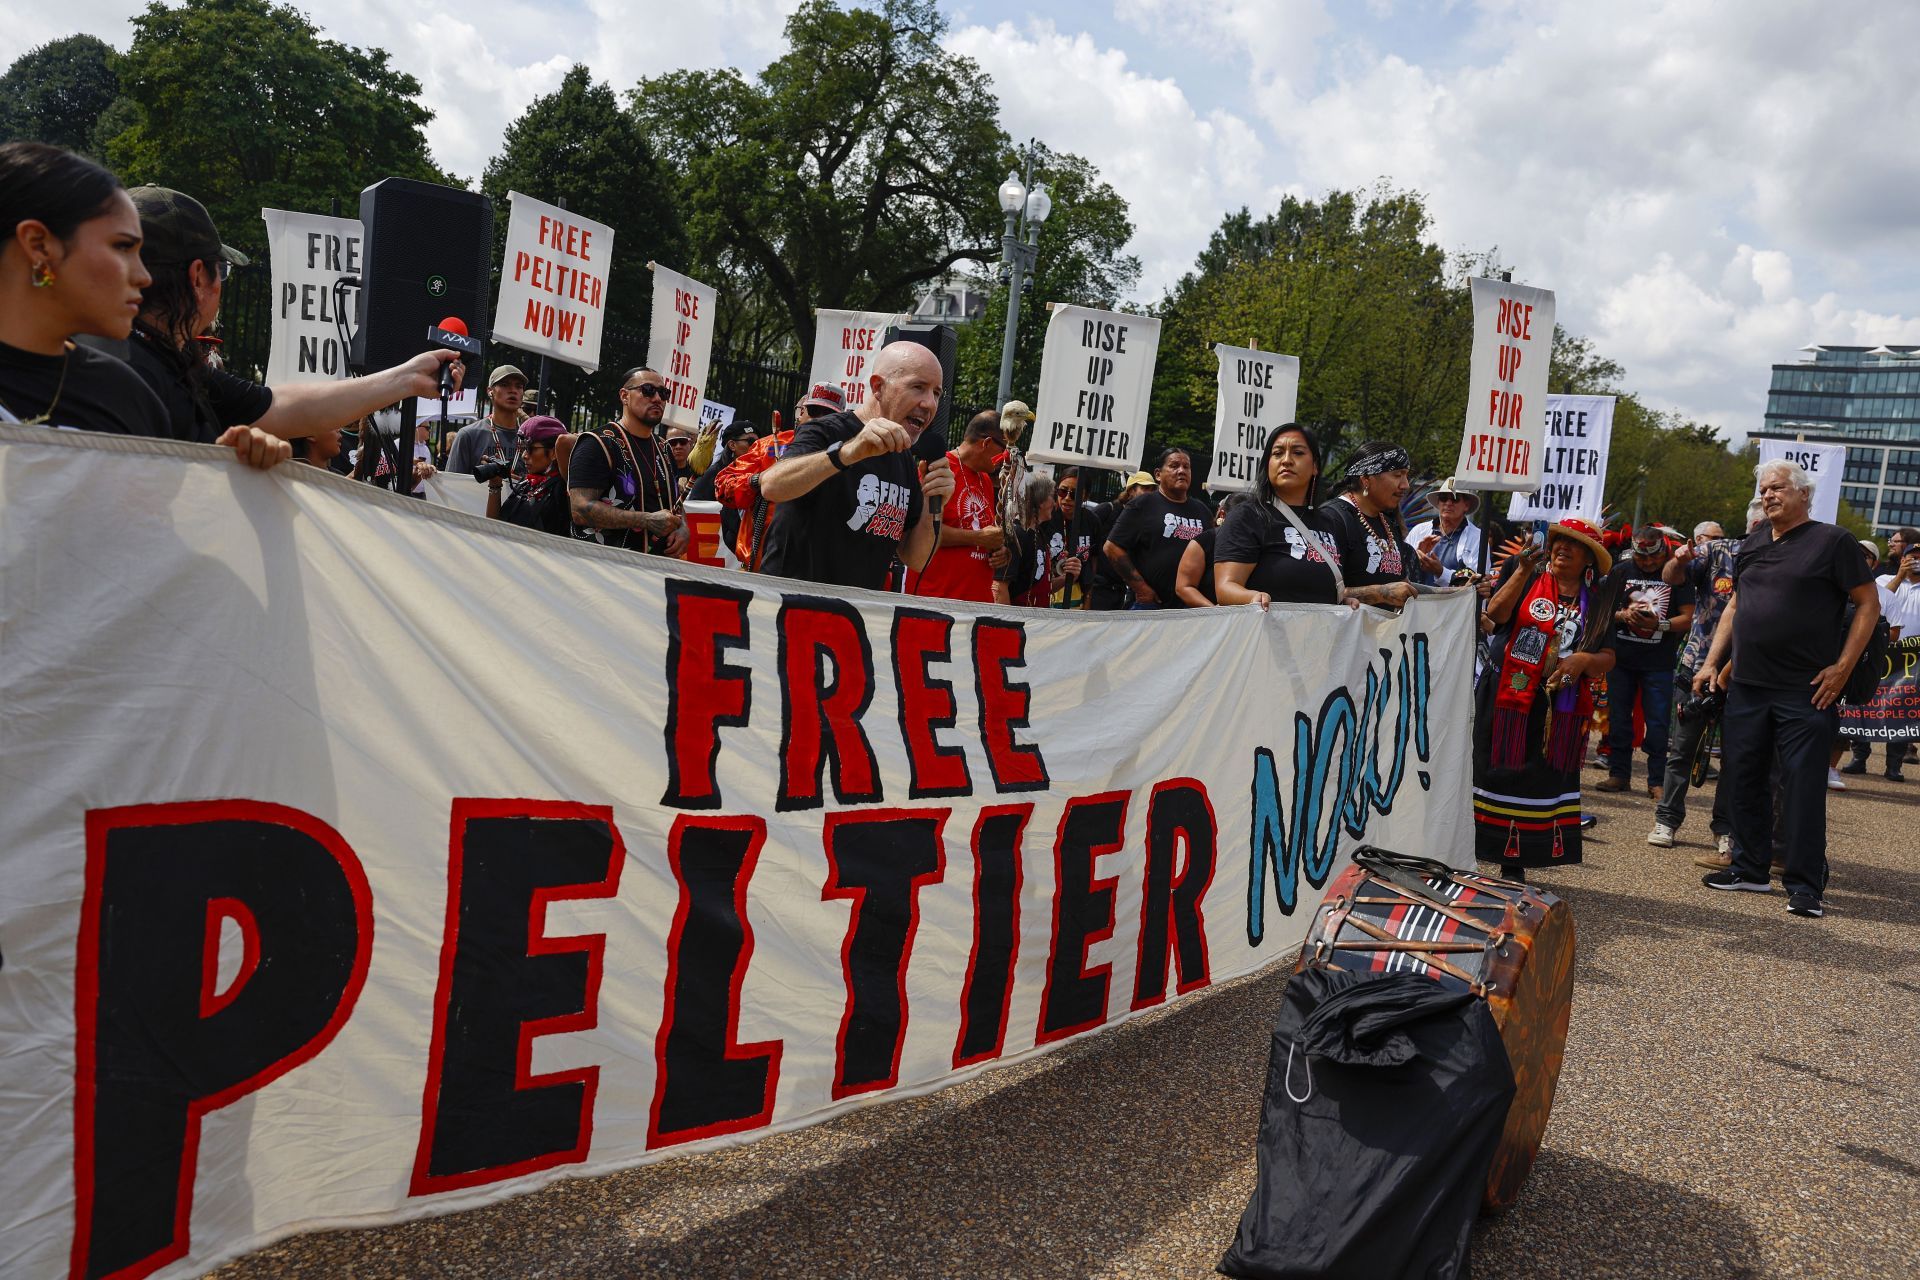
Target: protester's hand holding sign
[256, 448]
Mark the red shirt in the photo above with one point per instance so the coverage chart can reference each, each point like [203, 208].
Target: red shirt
[962, 573]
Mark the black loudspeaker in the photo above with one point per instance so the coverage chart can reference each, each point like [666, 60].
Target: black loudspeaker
[945, 343]
[428, 254]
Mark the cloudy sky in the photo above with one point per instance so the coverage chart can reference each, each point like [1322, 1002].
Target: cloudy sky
[1706, 186]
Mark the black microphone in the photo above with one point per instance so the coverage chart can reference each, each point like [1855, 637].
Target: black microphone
[451, 333]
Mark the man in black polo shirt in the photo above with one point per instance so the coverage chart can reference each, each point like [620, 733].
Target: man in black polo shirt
[1792, 580]
[846, 493]
[1152, 533]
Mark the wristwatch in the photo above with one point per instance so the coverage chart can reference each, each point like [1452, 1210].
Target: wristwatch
[833, 455]
[1666, 624]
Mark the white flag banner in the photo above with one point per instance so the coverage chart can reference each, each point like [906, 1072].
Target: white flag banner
[333, 925]
[715, 414]
[844, 345]
[1825, 463]
[680, 344]
[1506, 426]
[553, 282]
[307, 253]
[1573, 462]
[1096, 374]
[1257, 392]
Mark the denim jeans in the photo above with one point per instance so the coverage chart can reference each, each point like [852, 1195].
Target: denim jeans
[1760, 723]
[1655, 689]
[1672, 809]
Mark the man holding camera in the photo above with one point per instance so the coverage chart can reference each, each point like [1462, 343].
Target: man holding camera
[1706, 565]
[1652, 618]
[620, 480]
[496, 435]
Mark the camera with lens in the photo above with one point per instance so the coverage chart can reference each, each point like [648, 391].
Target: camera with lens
[1707, 706]
[490, 470]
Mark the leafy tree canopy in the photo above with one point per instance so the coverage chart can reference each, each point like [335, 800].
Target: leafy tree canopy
[243, 104]
[57, 92]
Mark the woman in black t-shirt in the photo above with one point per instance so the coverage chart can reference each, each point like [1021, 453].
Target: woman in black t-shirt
[70, 265]
[1260, 555]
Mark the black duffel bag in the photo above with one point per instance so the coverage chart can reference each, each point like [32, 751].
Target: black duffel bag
[1386, 1096]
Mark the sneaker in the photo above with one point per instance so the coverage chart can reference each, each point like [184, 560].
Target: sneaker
[1731, 879]
[1714, 861]
[1854, 766]
[1894, 775]
[1661, 837]
[1805, 904]
[1587, 821]
[1834, 781]
[1612, 782]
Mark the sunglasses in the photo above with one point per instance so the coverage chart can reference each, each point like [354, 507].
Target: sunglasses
[653, 390]
[1064, 491]
[1447, 497]
[680, 442]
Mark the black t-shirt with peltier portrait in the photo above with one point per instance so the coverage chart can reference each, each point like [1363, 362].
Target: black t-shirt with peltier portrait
[1371, 550]
[1651, 649]
[1285, 566]
[1154, 531]
[847, 529]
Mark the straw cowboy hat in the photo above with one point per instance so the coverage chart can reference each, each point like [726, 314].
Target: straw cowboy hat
[1585, 534]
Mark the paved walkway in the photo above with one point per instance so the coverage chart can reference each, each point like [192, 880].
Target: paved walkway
[1739, 1100]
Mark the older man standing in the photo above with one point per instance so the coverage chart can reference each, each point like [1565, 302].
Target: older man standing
[1450, 537]
[1792, 580]
[847, 495]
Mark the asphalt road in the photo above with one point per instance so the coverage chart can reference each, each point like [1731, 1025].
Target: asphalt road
[1739, 1100]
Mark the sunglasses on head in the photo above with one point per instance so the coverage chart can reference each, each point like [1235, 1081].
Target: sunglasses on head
[656, 390]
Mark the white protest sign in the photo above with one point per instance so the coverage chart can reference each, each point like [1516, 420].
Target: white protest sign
[1573, 462]
[1825, 463]
[307, 253]
[464, 405]
[844, 344]
[680, 343]
[359, 959]
[1506, 423]
[1256, 392]
[553, 282]
[1096, 372]
[713, 413]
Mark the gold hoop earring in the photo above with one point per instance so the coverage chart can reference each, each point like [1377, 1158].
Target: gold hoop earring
[42, 275]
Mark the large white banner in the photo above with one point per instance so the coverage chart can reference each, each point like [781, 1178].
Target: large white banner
[346, 920]
[1096, 373]
[680, 344]
[1573, 463]
[1825, 463]
[307, 253]
[1506, 424]
[844, 345]
[553, 282]
[1257, 391]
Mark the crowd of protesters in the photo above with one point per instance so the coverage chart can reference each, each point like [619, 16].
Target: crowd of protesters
[108, 298]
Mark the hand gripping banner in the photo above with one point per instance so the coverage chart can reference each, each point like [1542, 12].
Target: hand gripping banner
[362, 859]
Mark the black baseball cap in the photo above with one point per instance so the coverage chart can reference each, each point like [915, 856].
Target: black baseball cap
[178, 228]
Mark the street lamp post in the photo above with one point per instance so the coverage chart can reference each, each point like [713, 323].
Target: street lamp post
[1026, 208]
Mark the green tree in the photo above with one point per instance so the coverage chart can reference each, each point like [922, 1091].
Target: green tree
[244, 105]
[859, 164]
[1378, 315]
[578, 147]
[57, 92]
[1082, 260]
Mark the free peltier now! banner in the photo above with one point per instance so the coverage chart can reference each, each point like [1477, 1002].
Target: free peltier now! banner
[362, 859]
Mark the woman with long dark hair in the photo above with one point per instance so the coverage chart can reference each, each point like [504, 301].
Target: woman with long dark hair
[1531, 728]
[1375, 559]
[1279, 546]
[70, 266]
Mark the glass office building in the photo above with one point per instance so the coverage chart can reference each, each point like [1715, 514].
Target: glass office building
[1867, 398]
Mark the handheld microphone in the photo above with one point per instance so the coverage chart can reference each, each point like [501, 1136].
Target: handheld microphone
[451, 333]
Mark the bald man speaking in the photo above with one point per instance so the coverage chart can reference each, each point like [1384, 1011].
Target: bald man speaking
[848, 494]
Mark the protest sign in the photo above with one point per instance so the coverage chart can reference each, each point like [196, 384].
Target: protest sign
[464, 405]
[307, 253]
[1256, 392]
[844, 344]
[1573, 462]
[1096, 371]
[1506, 388]
[356, 958]
[715, 414]
[1894, 713]
[680, 344]
[1824, 464]
[553, 282]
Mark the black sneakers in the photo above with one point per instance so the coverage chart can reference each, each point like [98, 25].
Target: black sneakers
[1805, 904]
[1731, 879]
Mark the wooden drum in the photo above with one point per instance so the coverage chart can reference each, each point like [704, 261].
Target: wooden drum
[1509, 944]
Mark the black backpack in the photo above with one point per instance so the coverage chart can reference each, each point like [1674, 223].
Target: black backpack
[1865, 678]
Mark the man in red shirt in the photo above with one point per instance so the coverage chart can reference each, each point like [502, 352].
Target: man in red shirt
[970, 532]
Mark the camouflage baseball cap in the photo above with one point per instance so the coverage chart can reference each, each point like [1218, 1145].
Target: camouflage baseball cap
[178, 228]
